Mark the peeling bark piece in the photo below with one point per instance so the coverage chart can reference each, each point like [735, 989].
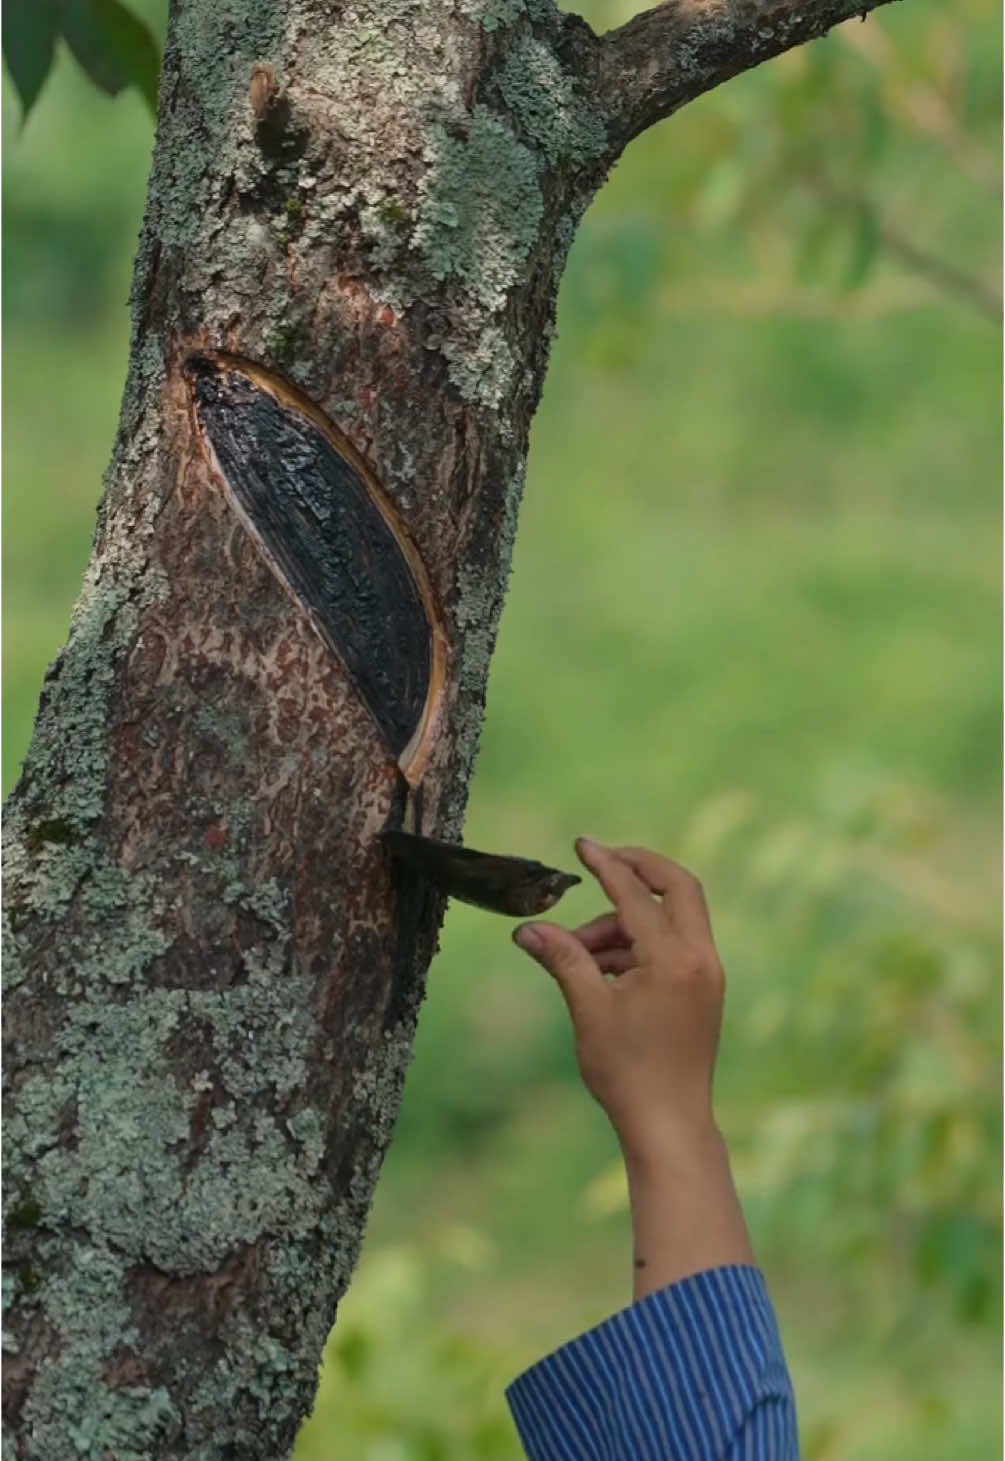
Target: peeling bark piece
[333, 537]
[263, 91]
[516, 886]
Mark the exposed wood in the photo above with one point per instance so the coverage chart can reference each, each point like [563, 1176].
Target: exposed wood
[377, 613]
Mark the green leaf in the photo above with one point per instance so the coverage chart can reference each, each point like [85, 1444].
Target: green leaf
[814, 248]
[134, 48]
[113, 46]
[29, 35]
[353, 1350]
[84, 31]
[864, 247]
[875, 125]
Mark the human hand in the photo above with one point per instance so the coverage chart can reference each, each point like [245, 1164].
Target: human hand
[646, 1039]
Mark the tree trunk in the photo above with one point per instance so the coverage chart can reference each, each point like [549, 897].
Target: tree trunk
[356, 225]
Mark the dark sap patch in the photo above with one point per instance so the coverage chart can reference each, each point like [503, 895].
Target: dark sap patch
[330, 532]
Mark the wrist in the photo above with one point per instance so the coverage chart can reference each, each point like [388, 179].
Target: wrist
[669, 1146]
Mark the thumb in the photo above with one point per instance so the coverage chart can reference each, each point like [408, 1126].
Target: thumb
[565, 959]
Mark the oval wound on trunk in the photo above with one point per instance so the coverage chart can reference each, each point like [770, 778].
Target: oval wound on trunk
[328, 532]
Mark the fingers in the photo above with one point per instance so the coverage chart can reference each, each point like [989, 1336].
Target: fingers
[616, 961]
[637, 931]
[638, 915]
[683, 896]
[605, 939]
[602, 932]
[567, 961]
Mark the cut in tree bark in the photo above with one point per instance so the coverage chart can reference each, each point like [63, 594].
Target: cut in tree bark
[213, 967]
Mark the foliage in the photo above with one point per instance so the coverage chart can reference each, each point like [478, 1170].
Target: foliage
[394, 1390]
[817, 169]
[112, 44]
[754, 621]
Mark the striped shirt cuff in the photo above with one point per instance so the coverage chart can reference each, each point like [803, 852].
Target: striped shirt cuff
[693, 1372]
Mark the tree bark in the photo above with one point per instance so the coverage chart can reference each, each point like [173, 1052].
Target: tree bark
[213, 971]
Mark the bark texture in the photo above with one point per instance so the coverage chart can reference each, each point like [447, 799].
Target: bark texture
[212, 973]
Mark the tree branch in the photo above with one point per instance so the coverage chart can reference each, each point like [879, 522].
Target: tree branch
[658, 61]
[943, 275]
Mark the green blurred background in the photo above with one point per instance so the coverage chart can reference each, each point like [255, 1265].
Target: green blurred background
[754, 621]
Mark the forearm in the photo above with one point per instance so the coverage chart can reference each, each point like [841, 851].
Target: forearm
[686, 1216]
[697, 1356]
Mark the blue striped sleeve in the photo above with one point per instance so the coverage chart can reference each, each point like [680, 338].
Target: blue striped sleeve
[693, 1372]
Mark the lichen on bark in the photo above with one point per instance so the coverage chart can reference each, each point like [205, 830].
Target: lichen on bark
[202, 1085]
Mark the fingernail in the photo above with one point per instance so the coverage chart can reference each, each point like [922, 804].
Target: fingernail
[588, 845]
[529, 938]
